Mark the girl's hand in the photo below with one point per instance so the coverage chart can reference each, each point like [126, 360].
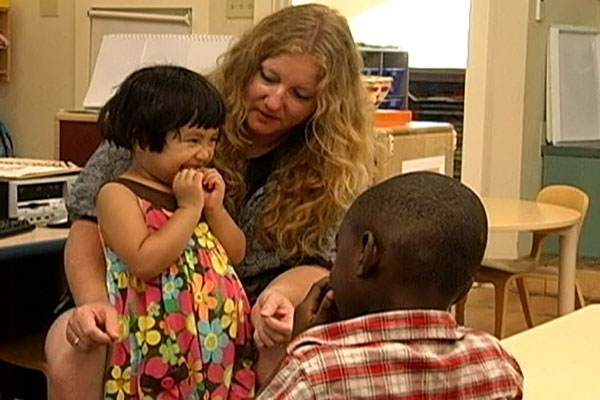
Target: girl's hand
[272, 317]
[214, 189]
[187, 187]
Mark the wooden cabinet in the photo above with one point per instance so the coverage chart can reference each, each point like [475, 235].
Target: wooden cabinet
[76, 136]
[5, 49]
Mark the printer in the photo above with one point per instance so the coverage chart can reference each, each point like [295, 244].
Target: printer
[38, 200]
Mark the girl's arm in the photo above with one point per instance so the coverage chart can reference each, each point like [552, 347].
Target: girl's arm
[123, 227]
[229, 234]
[222, 225]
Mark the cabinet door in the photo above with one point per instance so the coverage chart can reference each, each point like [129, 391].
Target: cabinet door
[78, 141]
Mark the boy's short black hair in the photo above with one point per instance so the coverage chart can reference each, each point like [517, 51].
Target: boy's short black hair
[155, 100]
[431, 226]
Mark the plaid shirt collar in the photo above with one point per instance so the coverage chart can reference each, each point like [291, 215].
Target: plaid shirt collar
[384, 326]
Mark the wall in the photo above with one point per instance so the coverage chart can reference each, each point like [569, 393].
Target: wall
[44, 77]
[505, 103]
[41, 77]
[567, 12]
[347, 8]
[434, 39]
[219, 23]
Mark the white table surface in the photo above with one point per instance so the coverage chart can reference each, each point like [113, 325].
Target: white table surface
[561, 358]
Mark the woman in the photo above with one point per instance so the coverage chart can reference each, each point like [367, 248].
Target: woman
[296, 149]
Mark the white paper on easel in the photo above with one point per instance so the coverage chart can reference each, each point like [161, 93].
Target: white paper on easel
[163, 50]
[121, 54]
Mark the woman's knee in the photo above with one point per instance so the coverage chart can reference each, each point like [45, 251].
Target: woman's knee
[61, 357]
[71, 372]
[56, 340]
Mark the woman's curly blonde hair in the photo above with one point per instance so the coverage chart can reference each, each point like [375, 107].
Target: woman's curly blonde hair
[319, 178]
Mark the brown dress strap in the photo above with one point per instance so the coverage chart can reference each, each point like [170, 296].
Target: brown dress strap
[157, 197]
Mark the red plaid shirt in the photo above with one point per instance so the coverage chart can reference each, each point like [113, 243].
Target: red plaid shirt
[418, 354]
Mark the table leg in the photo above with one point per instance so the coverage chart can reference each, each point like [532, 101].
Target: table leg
[566, 270]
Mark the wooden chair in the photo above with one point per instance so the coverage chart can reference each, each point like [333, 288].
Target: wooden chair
[501, 273]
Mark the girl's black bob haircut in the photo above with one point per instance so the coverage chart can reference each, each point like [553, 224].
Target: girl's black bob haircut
[153, 101]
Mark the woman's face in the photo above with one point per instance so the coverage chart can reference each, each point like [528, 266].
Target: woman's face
[282, 94]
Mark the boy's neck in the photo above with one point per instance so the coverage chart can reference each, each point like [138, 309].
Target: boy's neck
[401, 299]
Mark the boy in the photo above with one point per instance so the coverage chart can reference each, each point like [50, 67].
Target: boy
[407, 249]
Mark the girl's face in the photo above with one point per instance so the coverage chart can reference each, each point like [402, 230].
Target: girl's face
[187, 147]
[282, 94]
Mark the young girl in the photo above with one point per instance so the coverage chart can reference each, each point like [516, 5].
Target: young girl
[170, 245]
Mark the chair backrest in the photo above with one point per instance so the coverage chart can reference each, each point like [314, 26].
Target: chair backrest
[560, 195]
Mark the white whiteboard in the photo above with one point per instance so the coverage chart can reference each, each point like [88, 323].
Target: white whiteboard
[573, 85]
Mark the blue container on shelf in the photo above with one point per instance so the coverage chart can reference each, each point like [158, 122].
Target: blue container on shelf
[393, 103]
[398, 75]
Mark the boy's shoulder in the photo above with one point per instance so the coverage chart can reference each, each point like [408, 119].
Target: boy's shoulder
[406, 349]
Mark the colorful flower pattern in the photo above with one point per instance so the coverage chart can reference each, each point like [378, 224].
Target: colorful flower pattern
[185, 333]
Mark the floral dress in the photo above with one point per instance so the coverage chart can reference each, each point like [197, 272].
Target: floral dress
[184, 334]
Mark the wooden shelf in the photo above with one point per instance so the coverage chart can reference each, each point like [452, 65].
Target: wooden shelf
[5, 51]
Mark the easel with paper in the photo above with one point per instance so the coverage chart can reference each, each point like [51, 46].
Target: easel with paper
[121, 54]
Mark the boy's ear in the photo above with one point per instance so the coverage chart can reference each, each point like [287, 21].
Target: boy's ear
[369, 255]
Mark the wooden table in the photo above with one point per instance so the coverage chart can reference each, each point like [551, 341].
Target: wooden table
[506, 215]
[561, 358]
[39, 241]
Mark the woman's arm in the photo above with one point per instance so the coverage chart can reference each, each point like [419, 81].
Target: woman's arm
[94, 320]
[229, 234]
[84, 263]
[295, 282]
[146, 254]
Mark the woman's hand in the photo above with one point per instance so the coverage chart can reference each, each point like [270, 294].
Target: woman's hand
[317, 308]
[187, 188]
[214, 189]
[92, 325]
[272, 317]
